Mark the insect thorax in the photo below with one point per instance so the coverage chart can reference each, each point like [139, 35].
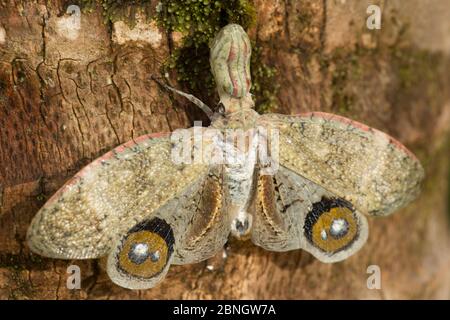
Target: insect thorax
[239, 182]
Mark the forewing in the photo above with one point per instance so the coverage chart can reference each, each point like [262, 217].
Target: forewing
[291, 212]
[360, 164]
[108, 197]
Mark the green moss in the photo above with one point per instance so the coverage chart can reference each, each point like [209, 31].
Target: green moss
[199, 21]
[415, 67]
[119, 10]
[413, 72]
[19, 262]
[411, 69]
[191, 63]
[413, 83]
[264, 84]
[23, 289]
[347, 68]
[421, 79]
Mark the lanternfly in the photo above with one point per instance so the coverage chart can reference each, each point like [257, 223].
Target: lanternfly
[154, 211]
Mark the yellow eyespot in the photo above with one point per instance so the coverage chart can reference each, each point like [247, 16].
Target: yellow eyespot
[331, 225]
[146, 249]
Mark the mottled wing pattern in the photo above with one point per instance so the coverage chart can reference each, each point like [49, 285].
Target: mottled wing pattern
[368, 168]
[209, 223]
[108, 197]
[290, 212]
[189, 228]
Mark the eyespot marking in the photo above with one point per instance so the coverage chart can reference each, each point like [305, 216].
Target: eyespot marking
[331, 225]
[146, 249]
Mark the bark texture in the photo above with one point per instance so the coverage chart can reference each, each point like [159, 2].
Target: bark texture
[67, 98]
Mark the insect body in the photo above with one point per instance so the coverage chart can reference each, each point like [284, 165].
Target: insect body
[146, 211]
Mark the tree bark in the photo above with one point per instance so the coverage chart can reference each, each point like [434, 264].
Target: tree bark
[67, 98]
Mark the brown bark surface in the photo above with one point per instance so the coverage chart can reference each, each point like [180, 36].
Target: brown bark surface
[64, 102]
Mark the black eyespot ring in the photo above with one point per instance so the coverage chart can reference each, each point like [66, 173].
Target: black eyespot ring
[331, 225]
[146, 249]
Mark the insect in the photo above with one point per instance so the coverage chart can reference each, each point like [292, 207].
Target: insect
[145, 211]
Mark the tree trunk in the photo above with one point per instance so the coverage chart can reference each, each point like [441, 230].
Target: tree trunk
[68, 95]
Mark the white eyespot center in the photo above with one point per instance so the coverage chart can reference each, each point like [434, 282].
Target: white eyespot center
[140, 249]
[339, 227]
[323, 235]
[138, 253]
[155, 256]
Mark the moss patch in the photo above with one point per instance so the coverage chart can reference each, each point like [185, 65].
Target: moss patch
[413, 74]
[199, 21]
[19, 265]
[415, 67]
[19, 262]
[23, 289]
[122, 10]
[191, 63]
[346, 70]
[264, 84]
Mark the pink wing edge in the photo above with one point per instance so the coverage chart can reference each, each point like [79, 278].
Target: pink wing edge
[359, 125]
[117, 150]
